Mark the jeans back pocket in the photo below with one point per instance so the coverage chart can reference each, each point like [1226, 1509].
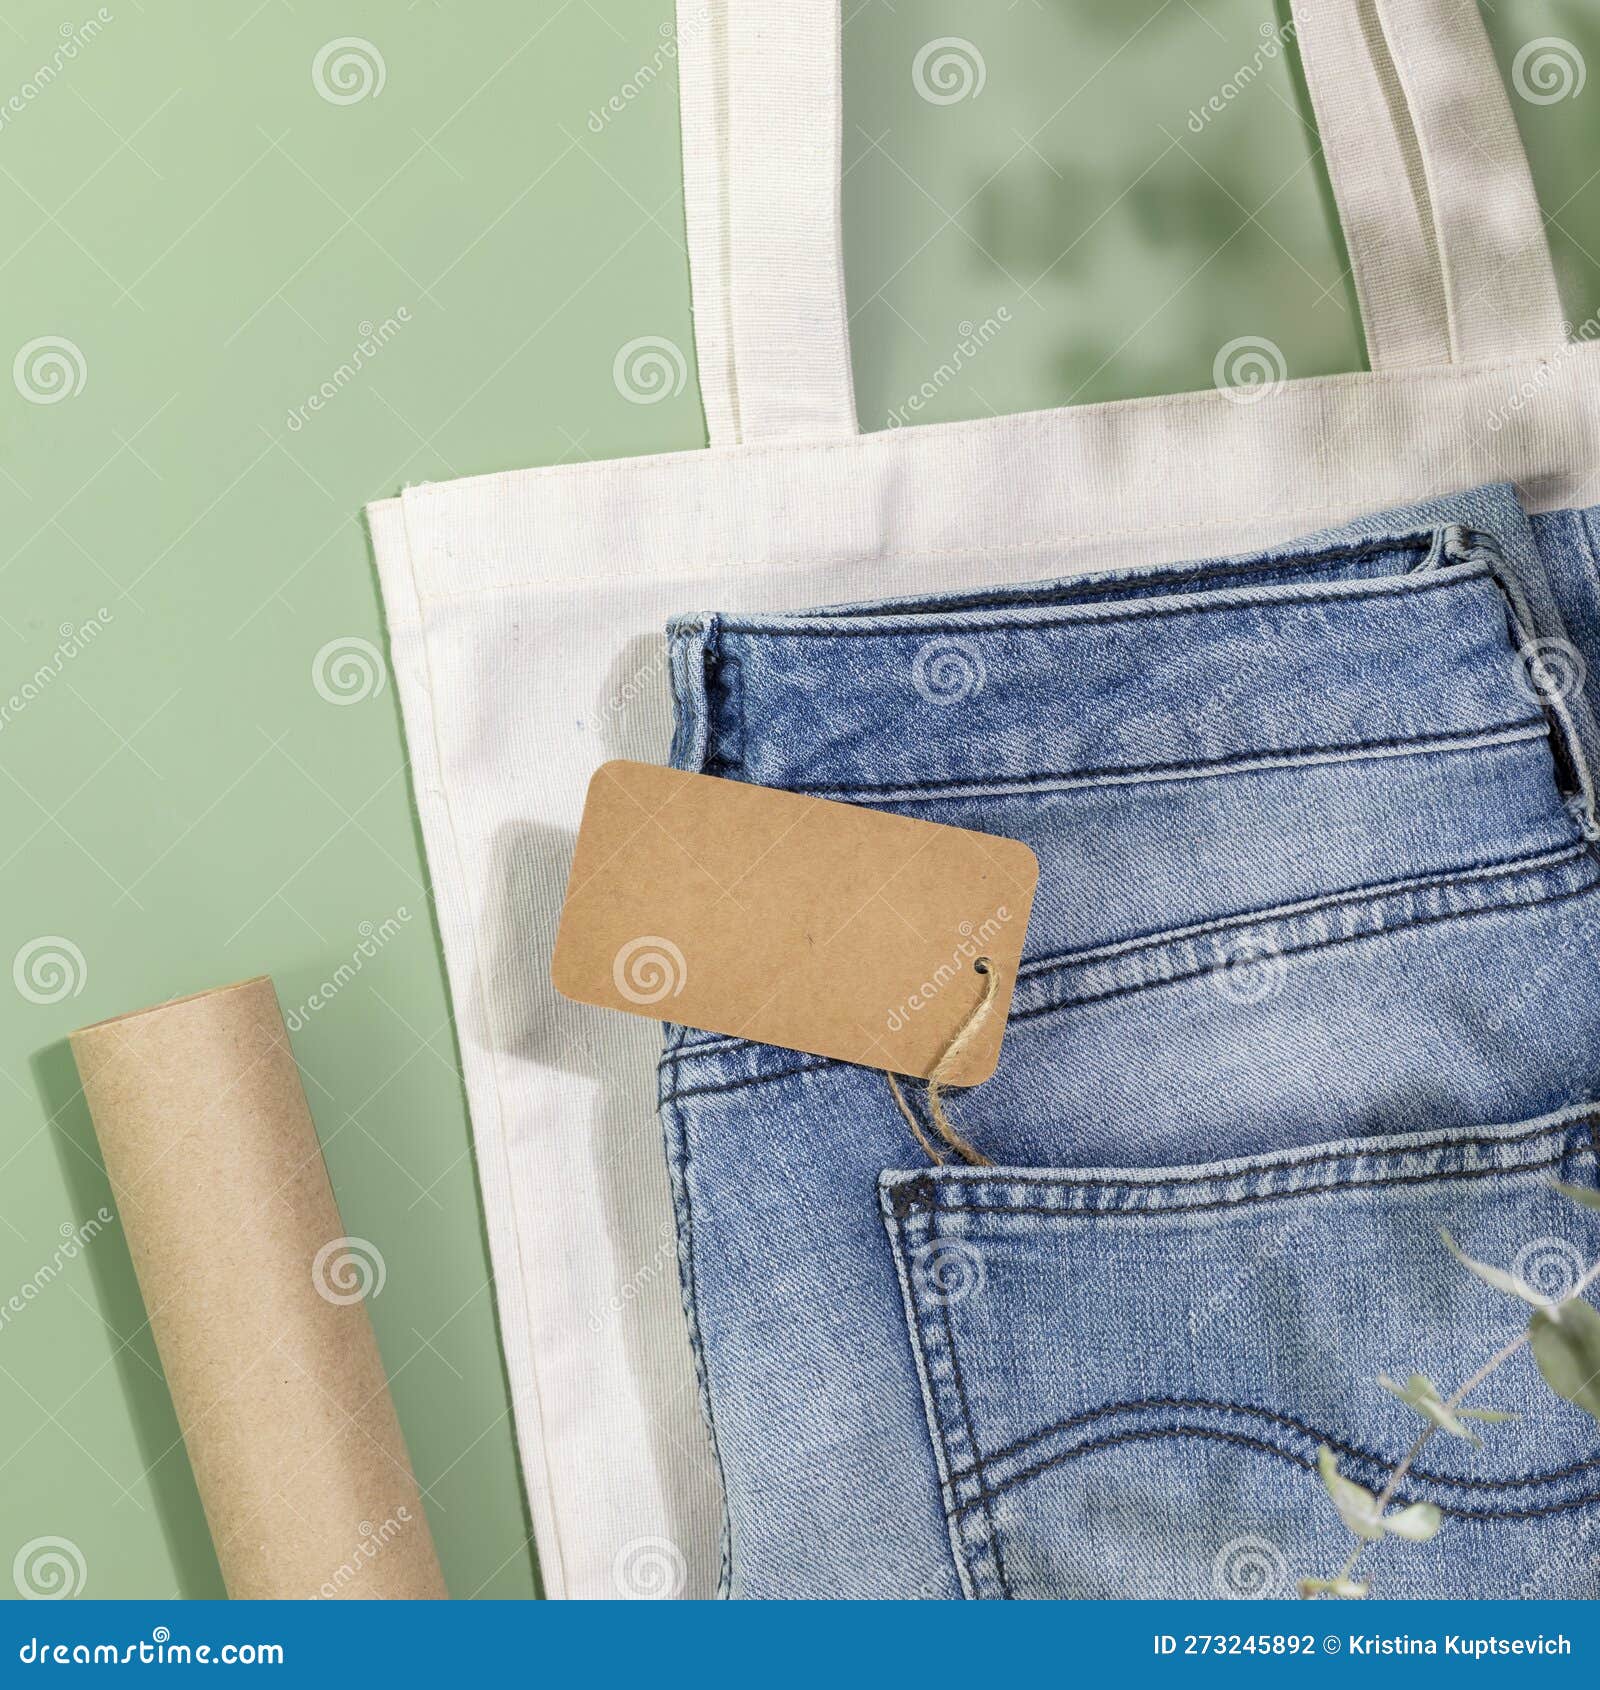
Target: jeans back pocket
[1128, 1377]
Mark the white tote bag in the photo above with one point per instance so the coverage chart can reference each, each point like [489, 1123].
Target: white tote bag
[525, 614]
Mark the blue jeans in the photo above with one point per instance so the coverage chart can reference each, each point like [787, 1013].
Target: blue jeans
[1311, 972]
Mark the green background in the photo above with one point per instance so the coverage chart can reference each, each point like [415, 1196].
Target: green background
[183, 805]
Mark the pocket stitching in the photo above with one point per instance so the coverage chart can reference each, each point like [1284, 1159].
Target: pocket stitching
[968, 1487]
[1261, 1446]
[972, 1443]
[1365, 1149]
[1342, 1446]
[1266, 1196]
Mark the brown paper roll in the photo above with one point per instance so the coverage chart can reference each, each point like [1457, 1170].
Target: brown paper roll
[256, 1299]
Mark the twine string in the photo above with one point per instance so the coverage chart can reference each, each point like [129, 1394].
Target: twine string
[940, 1078]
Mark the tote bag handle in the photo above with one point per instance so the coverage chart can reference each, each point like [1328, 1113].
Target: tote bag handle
[1446, 240]
[761, 94]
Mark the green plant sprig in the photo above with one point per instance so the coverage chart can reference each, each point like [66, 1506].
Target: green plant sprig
[1565, 1338]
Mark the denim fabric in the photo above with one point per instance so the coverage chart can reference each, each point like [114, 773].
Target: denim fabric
[1311, 972]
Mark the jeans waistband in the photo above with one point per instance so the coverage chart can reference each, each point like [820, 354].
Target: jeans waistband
[1384, 644]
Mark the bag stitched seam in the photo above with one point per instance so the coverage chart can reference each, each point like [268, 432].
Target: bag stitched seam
[1022, 423]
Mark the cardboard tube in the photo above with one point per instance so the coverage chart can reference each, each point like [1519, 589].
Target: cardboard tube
[256, 1298]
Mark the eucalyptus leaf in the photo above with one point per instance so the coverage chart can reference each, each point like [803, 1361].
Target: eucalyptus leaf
[1346, 1587]
[1357, 1506]
[1416, 1524]
[1421, 1394]
[1579, 1194]
[1497, 1277]
[1566, 1345]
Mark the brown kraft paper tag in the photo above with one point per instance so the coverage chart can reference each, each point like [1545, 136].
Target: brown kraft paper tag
[790, 920]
